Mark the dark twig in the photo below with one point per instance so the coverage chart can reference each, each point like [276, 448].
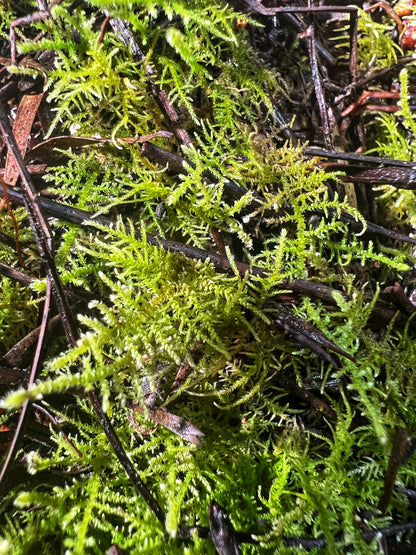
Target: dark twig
[409, 493]
[310, 543]
[163, 157]
[254, 6]
[319, 91]
[398, 173]
[123, 458]
[39, 226]
[30, 19]
[353, 44]
[401, 178]
[55, 423]
[15, 275]
[177, 164]
[361, 159]
[82, 217]
[357, 226]
[305, 543]
[397, 451]
[381, 74]
[309, 336]
[301, 27]
[285, 126]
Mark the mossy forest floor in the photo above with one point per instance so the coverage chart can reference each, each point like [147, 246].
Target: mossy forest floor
[208, 291]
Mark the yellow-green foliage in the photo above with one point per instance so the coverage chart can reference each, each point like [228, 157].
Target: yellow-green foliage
[376, 45]
[279, 470]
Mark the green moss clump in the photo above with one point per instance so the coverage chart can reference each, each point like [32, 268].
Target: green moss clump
[282, 469]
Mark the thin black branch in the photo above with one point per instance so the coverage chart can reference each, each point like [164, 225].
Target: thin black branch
[362, 159]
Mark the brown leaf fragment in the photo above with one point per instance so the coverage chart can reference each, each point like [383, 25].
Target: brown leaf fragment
[145, 138]
[181, 375]
[21, 353]
[45, 150]
[222, 532]
[22, 126]
[176, 424]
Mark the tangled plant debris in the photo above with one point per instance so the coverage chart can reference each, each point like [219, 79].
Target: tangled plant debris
[207, 271]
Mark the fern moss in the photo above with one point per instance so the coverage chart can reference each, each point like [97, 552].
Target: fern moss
[207, 343]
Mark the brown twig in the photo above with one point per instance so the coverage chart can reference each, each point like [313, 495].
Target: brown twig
[380, 74]
[353, 44]
[30, 19]
[254, 6]
[222, 531]
[176, 164]
[15, 275]
[311, 543]
[24, 413]
[319, 91]
[359, 158]
[294, 20]
[309, 336]
[397, 451]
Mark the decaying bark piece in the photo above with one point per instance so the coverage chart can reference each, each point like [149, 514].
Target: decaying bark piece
[176, 424]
